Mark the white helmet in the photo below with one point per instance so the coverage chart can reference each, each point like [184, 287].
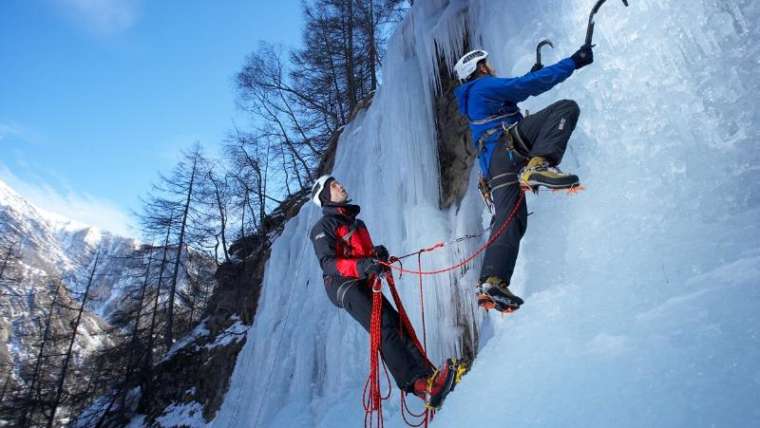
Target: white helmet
[318, 187]
[468, 63]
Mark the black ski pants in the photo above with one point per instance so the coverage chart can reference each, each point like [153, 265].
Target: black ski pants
[404, 360]
[546, 134]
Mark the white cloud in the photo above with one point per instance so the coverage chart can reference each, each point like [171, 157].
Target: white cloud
[7, 130]
[103, 16]
[80, 207]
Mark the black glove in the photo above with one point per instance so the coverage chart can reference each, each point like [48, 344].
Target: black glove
[367, 267]
[583, 57]
[381, 253]
[536, 67]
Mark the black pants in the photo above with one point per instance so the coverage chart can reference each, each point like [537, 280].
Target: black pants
[546, 134]
[404, 360]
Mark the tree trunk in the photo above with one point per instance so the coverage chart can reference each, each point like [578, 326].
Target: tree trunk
[169, 337]
[349, 54]
[222, 216]
[122, 395]
[372, 44]
[6, 260]
[29, 407]
[152, 331]
[67, 359]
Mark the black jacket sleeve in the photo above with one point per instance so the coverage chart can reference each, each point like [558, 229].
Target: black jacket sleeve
[324, 242]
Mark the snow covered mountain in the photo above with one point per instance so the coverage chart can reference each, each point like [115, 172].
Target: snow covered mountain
[52, 250]
[64, 248]
[642, 293]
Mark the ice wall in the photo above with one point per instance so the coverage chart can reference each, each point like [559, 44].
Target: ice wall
[642, 293]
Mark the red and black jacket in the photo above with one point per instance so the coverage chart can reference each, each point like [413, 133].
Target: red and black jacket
[340, 241]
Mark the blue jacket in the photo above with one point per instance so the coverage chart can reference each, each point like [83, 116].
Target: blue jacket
[490, 96]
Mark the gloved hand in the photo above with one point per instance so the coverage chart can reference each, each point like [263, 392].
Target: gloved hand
[536, 67]
[368, 266]
[583, 57]
[381, 253]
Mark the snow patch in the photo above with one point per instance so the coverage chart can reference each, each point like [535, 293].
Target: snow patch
[234, 333]
[189, 415]
[199, 331]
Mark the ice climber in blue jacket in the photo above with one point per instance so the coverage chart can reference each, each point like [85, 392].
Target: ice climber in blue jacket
[514, 151]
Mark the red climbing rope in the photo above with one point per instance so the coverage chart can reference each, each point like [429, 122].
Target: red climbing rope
[409, 330]
[422, 301]
[372, 397]
[373, 403]
[405, 323]
[494, 236]
[423, 419]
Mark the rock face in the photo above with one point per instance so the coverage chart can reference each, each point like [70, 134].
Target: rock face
[197, 370]
[456, 153]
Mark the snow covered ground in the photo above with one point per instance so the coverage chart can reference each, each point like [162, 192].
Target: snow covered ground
[642, 294]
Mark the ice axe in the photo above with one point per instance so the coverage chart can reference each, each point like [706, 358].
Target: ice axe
[590, 29]
[538, 66]
[541, 44]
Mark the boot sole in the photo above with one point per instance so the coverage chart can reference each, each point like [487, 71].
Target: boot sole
[486, 303]
[565, 185]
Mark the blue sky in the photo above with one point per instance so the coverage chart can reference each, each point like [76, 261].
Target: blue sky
[98, 96]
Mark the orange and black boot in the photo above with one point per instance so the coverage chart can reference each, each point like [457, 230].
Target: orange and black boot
[434, 389]
[494, 294]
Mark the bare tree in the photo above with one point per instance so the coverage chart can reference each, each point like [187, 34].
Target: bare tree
[33, 389]
[220, 195]
[10, 255]
[300, 100]
[67, 358]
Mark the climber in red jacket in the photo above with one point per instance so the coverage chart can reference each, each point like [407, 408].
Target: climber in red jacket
[349, 264]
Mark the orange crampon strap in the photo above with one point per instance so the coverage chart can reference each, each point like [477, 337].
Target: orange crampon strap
[578, 188]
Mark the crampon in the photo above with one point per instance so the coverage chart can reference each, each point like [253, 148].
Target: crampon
[572, 190]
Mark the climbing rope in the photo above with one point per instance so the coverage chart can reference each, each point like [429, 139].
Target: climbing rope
[570, 192]
[422, 301]
[372, 397]
[494, 236]
[423, 419]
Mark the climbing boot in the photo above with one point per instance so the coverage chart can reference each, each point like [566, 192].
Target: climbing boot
[494, 294]
[434, 389]
[538, 172]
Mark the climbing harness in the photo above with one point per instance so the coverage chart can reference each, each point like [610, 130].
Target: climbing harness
[514, 140]
[515, 146]
[494, 118]
[494, 186]
[485, 193]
